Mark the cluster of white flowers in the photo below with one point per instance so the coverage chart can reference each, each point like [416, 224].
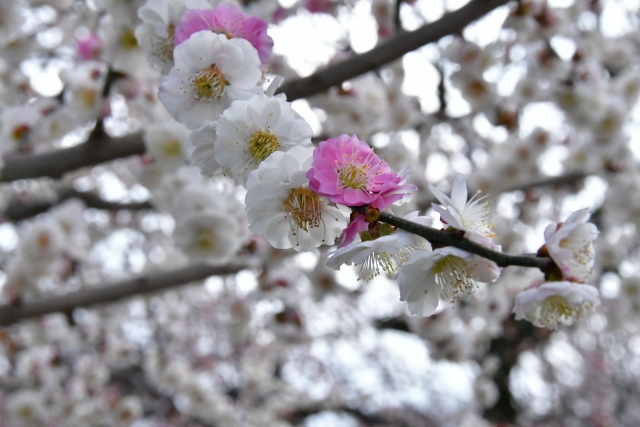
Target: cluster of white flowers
[567, 297]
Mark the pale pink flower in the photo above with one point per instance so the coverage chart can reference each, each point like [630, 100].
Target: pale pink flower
[230, 21]
[570, 245]
[89, 48]
[556, 303]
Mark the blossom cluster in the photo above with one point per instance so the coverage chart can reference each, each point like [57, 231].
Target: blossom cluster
[298, 196]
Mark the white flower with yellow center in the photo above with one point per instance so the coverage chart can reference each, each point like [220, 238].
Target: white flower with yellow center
[281, 206]
[570, 245]
[156, 33]
[26, 408]
[209, 236]
[166, 143]
[471, 216]
[445, 271]
[556, 303]
[210, 72]
[247, 133]
[382, 249]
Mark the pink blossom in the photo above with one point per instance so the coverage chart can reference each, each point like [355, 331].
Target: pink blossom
[347, 171]
[318, 6]
[230, 21]
[89, 48]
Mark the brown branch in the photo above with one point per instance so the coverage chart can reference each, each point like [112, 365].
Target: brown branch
[152, 282]
[54, 164]
[389, 51]
[20, 211]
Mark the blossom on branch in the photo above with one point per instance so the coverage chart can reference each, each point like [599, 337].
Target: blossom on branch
[210, 72]
[282, 206]
[246, 134]
[471, 216]
[445, 271]
[381, 248]
[556, 303]
[570, 245]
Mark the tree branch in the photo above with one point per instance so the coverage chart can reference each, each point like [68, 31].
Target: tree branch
[102, 148]
[152, 282]
[449, 238]
[20, 211]
[389, 51]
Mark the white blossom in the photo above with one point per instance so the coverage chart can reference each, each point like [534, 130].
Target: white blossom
[26, 408]
[281, 206]
[570, 245]
[210, 236]
[247, 133]
[556, 303]
[156, 32]
[386, 252]
[166, 143]
[210, 72]
[471, 216]
[445, 271]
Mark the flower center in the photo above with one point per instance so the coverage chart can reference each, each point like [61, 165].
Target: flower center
[454, 277]
[205, 239]
[304, 206]
[389, 263]
[555, 308]
[44, 240]
[128, 40]
[163, 48]
[209, 84]
[354, 175]
[19, 132]
[261, 144]
[476, 215]
[172, 148]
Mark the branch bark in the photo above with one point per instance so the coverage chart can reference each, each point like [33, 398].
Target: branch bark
[389, 51]
[153, 282]
[20, 211]
[102, 148]
[443, 237]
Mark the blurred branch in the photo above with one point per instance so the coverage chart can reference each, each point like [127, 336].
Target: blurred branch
[19, 211]
[153, 282]
[99, 149]
[518, 336]
[389, 51]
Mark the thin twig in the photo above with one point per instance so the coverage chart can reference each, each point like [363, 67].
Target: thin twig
[443, 237]
[389, 51]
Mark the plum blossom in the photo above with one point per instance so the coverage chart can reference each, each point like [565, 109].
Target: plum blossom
[209, 235]
[246, 134]
[347, 171]
[556, 303]
[471, 216]
[156, 33]
[230, 21]
[282, 206]
[570, 245]
[445, 271]
[26, 408]
[382, 248]
[210, 73]
[166, 144]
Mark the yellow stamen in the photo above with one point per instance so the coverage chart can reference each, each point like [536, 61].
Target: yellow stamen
[261, 144]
